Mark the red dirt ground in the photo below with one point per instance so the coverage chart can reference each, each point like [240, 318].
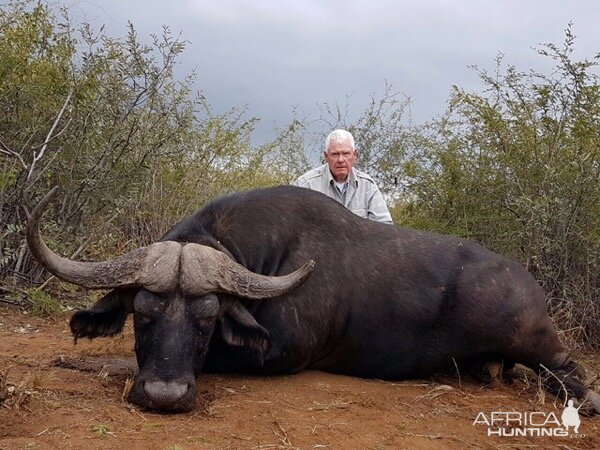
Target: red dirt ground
[57, 395]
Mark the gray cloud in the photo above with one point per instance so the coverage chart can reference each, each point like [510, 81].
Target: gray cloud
[273, 55]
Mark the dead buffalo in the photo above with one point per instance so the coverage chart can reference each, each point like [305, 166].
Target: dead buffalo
[233, 288]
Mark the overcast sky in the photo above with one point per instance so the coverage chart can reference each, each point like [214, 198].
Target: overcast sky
[277, 55]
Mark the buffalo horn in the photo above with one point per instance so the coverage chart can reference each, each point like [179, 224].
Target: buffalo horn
[205, 269]
[155, 267]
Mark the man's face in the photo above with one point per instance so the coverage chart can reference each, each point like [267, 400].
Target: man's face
[340, 157]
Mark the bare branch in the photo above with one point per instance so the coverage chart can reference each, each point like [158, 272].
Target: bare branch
[55, 136]
[37, 157]
[7, 151]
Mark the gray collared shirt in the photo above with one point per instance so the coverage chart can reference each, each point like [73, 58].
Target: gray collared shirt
[361, 196]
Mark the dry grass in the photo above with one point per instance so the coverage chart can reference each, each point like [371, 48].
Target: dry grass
[127, 388]
[16, 395]
[435, 393]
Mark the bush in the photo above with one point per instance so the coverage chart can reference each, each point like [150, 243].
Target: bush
[132, 149]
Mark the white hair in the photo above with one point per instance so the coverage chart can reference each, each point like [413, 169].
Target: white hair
[339, 136]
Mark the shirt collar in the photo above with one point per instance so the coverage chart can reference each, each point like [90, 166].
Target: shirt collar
[351, 180]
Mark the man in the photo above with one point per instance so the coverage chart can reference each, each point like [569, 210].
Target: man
[339, 179]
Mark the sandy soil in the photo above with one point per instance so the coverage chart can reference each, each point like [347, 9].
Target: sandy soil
[57, 395]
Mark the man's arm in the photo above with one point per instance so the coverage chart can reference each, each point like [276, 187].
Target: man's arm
[377, 209]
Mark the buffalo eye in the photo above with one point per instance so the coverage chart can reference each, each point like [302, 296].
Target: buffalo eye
[147, 308]
[204, 310]
[142, 319]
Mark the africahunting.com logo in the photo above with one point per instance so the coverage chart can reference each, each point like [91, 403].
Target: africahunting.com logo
[533, 424]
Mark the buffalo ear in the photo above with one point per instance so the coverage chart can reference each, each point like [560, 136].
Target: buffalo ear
[239, 328]
[106, 317]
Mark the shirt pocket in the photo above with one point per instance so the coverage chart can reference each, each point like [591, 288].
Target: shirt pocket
[361, 212]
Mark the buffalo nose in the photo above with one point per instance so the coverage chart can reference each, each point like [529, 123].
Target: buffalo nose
[165, 394]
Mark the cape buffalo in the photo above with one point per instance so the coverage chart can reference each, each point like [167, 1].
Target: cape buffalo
[233, 288]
